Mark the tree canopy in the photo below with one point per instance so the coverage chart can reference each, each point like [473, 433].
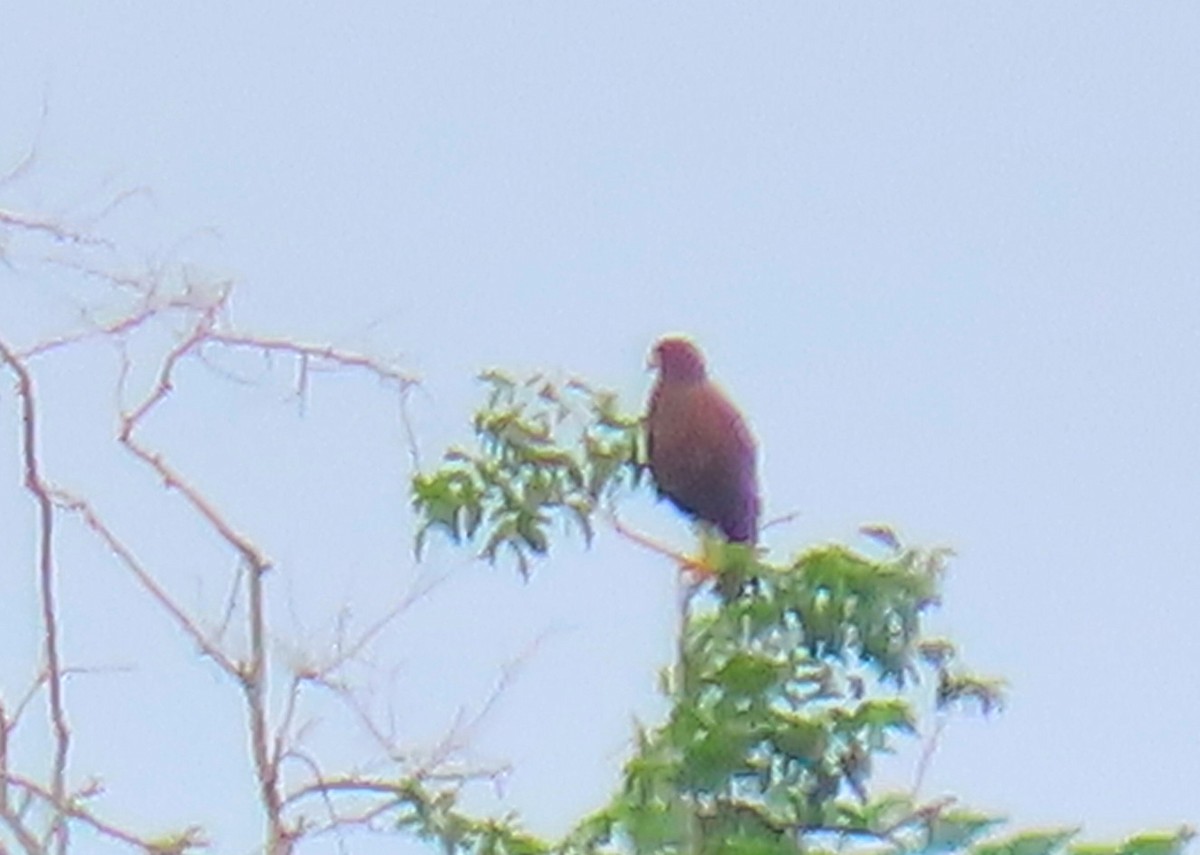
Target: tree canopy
[782, 694]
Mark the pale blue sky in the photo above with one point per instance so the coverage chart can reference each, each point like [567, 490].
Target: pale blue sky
[944, 255]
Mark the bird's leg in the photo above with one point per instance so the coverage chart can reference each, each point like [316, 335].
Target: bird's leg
[697, 568]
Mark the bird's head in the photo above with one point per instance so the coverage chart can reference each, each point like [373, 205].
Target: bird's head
[677, 360]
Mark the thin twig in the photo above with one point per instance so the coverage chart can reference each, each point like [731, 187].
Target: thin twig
[320, 353]
[927, 752]
[25, 163]
[92, 520]
[5, 729]
[14, 719]
[45, 225]
[688, 564]
[356, 647]
[463, 730]
[783, 519]
[190, 838]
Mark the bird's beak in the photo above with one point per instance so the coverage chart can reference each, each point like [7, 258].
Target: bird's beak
[652, 361]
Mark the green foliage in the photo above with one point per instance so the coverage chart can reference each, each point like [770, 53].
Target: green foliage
[545, 451]
[788, 684]
[780, 700]
[432, 815]
[1150, 843]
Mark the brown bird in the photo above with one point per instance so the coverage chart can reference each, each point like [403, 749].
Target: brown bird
[701, 453]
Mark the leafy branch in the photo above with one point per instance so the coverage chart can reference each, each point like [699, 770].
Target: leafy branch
[545, 452]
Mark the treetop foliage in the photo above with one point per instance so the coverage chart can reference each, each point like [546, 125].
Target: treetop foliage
[787, 685]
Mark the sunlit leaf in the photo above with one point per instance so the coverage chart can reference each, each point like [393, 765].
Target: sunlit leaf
[1028, 843]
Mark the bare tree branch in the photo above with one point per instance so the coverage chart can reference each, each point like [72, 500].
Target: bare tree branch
[16, 824]
[46, 585]
[183, 621]
[44, 225]
[267, 749]
[189, 839]
[196, 314]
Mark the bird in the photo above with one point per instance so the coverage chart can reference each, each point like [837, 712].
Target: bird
[700, 451]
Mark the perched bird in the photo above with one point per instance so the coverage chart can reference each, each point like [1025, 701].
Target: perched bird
[700, 451]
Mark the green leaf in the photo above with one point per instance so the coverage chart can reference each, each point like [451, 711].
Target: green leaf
[711, 761]
[986, 693]
[503, 534]
[955, 829]
[802, 738]
[651, 827]
[748, 674]
[530, 530]
[937, 652]
[755, 844]
[882, 714]
[1158, 843]
[1028, 843]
